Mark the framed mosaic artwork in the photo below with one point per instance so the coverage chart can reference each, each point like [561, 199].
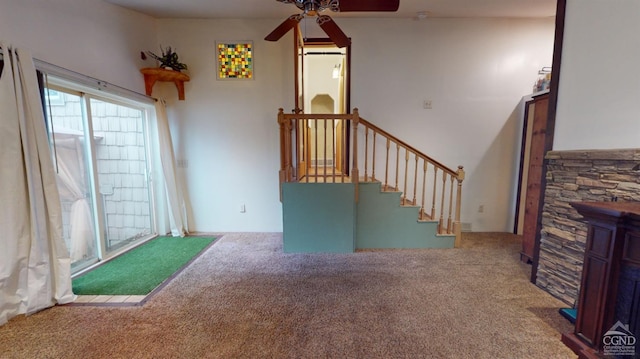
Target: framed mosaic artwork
[235, 60]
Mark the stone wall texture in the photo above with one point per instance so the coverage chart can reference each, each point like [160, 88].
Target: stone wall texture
[578, 176]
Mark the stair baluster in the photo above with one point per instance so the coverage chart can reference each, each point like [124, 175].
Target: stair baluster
[444, 187]
[406, 175]
[373, 162]
[415, 180]
[386, 171]
[433, 195]
[449, 229]
[333, 152]
[424, 191]
[396, 185]
[366, 153]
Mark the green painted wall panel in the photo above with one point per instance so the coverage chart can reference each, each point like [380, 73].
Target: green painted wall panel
[383, 223]
[318, 217]
[323, 217]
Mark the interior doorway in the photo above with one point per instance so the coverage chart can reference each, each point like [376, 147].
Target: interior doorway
[324, 83]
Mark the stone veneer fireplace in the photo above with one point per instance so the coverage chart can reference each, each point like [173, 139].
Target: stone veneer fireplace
[577, 176]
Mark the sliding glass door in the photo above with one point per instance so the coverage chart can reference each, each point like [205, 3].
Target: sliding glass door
[101, 156]
[122, 168]
[73, 169]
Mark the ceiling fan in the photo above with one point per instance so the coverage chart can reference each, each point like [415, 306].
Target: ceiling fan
[314, 7]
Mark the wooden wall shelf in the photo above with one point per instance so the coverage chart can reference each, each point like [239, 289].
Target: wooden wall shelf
[152, 75]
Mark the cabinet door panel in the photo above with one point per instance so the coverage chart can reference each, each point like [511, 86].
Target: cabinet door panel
[587, 326]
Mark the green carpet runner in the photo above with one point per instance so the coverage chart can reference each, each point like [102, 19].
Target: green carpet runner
[142, 269]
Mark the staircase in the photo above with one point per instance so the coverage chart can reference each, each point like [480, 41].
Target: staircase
[384, 222]
[329, 207]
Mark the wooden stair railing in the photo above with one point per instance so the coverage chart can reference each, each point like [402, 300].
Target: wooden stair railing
[423, 181]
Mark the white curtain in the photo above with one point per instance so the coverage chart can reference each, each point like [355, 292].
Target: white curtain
[177, 208]
[35, 268]
[72, 188]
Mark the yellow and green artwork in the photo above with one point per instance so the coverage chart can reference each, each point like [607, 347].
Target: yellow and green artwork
[235, 60]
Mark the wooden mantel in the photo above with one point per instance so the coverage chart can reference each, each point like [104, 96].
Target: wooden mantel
[151, 75]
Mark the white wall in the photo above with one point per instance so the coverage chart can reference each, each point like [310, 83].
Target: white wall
[227, 129]
[599, 94]
[93, 38]
[474, 71]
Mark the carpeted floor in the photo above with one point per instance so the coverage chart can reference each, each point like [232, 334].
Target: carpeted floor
[244, 298]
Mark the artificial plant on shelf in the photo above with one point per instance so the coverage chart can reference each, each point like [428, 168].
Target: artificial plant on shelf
[169, 59]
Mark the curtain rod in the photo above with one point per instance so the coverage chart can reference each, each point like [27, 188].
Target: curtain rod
[90, 82]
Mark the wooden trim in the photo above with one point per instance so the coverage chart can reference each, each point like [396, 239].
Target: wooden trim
[551, 123]
[523, 146]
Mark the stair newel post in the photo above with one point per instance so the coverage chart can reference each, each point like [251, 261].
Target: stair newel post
[283, 150]
[456, 224]
[288, 140]
[354, 169]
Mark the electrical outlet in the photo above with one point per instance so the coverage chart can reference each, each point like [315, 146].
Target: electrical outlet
[243, 209]
[481, 208]
[426, 104]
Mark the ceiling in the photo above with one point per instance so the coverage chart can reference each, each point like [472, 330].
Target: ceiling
[274, 9]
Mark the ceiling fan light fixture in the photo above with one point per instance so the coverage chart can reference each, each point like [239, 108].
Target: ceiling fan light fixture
[315, 7]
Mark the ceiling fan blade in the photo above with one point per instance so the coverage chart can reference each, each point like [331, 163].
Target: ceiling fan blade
[333, 31]
[369, 5]
[283, 28]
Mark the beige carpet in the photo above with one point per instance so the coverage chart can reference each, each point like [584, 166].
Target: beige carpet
[244, 298]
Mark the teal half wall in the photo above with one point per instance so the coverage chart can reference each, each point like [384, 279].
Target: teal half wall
[383, 223]
[323, 217]
[318, 217]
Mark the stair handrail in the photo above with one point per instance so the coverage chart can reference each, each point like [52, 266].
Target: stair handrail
[408, 147]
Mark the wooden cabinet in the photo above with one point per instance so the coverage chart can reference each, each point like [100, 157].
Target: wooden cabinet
[536, 149]
[610, 286]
